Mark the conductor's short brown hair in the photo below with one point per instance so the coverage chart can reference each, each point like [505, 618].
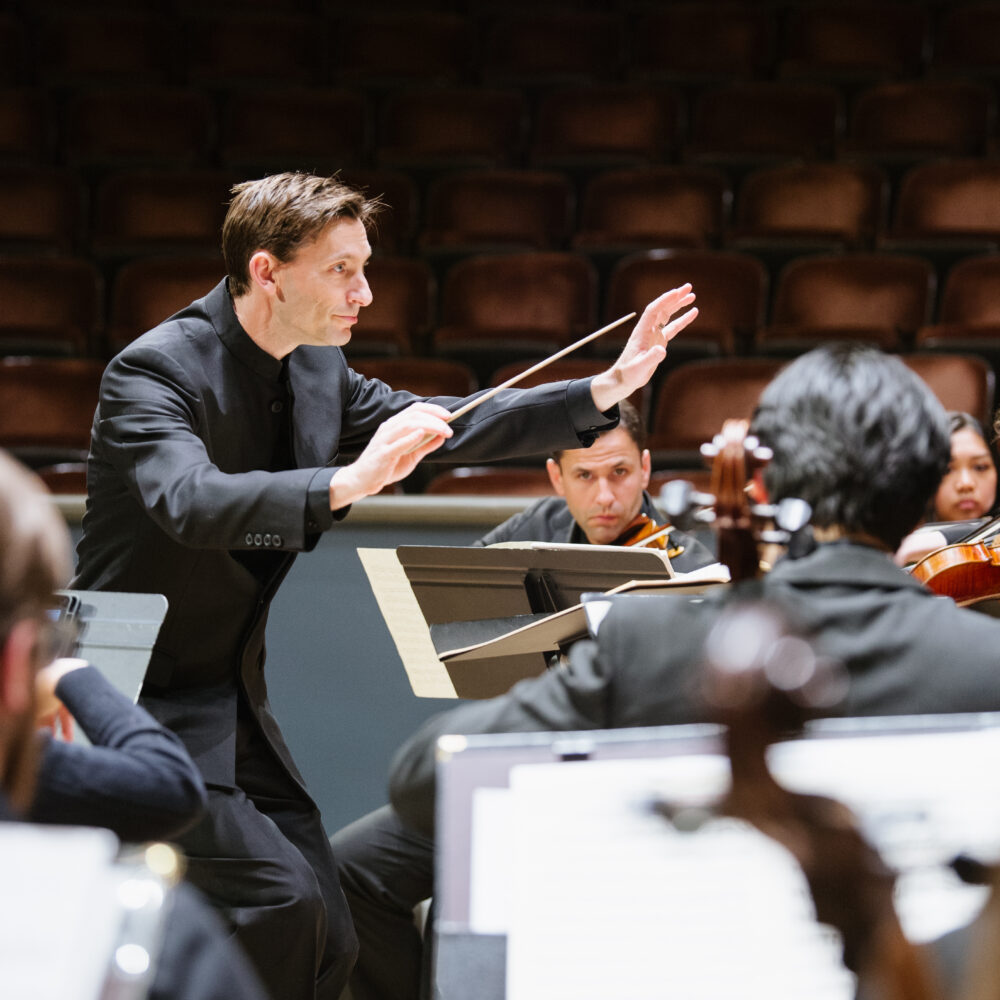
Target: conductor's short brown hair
[283, 212]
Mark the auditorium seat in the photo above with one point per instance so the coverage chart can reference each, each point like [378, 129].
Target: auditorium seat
[960, 381]
[653, 207]
[49, 305]
[41, 209]
[64, 478]
[882, 299]
[74, 48]
[967, 40]
[316, 129]
[399, 317]
[496, 309]
[546, 48]
[395, 226]
[27, 125]
[14, 60]
[472, 211]
[695, 398]
[906, 121]
[743, 125]
[697, 44]
[160, 211]
[947, 209]
[850, 43]
[251, 48]
[138, 126]
[968, 317]
[571, 367]
[386, 49]
[47, 407]
[809, 206]
[422, 376]
[492, 481]
[586, 129]
[425, 129]
[731, 290]
[147, 290]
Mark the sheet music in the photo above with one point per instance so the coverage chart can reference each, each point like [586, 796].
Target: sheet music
[587, 546]
[609, 900]
[427, 675]
[59, 915]
[606, 898]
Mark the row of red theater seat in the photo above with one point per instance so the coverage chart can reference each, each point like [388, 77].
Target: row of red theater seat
[310, 42]
[501, 307]
[792, 205]
[47, 405]
[433, 129]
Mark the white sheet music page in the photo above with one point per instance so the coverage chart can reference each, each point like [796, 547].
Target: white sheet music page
[610, 900]
[59, 915]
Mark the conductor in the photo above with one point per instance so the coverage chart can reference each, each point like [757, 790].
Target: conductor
[226, 440]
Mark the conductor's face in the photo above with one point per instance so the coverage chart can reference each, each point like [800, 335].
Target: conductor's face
[602, 484]
[321, 290]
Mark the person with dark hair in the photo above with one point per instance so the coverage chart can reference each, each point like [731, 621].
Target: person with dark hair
[136, 779]
[966, 497]
[864, 441]
[969, 487]
[228, 439]
[600, 495]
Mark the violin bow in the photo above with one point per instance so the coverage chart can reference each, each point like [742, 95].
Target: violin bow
[490, 393]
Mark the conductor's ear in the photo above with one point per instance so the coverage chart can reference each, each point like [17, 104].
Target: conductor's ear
[263, 267]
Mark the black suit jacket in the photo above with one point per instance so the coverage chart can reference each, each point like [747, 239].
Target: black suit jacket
[182, 499]
[906, 651]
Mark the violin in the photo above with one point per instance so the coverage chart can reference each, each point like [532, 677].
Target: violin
[968, 571]
[645, 533]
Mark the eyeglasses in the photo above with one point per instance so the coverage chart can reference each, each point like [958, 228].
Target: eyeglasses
[58, 634]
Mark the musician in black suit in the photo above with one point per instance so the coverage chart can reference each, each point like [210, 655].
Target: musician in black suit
[864, 441]
[600, 496]
[226, 440]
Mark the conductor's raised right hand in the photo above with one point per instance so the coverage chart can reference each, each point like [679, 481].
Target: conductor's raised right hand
[393, 453]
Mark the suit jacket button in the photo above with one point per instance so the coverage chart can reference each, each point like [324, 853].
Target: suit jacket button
[277, 406]
[276, 540]
[249, 538]
[267, 541]
[257, 539]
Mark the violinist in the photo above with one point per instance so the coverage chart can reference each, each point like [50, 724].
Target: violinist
[967, 494]
[600, 498]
